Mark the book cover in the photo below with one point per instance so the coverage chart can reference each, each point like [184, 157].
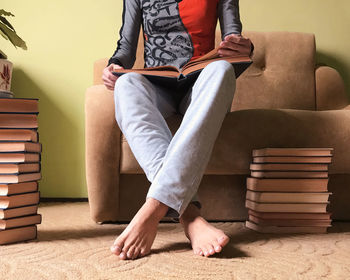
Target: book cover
[289, 174]
[20, 221]
[288, 185]
[20, 147]
[290, 216]
[26, 187]
[287, 197]
[289, 167]
[18, 234]
[289, 222]
[289, 159]
[17, 200]
[18, 211]
[24, 135]
[18, 120]
[287, 207]
[278, 229]
[293, 152]
[19, 105]
[19, 157]
[19, 168]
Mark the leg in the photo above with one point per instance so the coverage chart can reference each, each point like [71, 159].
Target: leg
[188, 154]
[140, 111]
[204, 109]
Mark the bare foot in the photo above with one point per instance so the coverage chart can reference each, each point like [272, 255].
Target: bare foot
[205, 239]
[137, 238]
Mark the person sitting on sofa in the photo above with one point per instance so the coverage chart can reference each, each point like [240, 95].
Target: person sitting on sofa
[175, 32]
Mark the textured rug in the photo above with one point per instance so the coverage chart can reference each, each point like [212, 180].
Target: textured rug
[71, 246]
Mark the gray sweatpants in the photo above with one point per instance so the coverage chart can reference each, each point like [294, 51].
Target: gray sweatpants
[174, 164]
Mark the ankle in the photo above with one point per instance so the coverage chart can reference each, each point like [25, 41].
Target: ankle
[190, 214]
[157, 208]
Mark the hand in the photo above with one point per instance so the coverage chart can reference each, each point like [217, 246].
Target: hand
[235, 45]
[108, 78]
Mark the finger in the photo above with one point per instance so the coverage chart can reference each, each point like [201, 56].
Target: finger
[109, 87]
[228, 45]
[233, 38]
[243, 49]
[114, 66]
[228, 52]
[105, 80]
[237, 39]
[110, 77]
[241, 42]
[109, 84]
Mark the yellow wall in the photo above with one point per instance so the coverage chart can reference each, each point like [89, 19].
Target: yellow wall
[65, 37]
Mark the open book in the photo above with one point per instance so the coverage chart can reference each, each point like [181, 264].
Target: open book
[172, 76]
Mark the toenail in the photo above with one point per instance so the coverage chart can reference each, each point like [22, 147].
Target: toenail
[217, 248]
[211, 251]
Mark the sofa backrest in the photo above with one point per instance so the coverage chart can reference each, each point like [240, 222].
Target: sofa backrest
[282, 74]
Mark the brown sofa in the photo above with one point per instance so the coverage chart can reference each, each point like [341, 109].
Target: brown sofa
[282, 100]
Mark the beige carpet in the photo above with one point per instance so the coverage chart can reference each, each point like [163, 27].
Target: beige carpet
[71, 246]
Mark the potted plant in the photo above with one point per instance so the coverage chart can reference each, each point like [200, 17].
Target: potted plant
[8, 33]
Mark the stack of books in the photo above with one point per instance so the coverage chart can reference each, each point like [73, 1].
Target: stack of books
[20, 155]
[287, 191]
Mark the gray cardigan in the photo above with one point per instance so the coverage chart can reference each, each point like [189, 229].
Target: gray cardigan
[168, 41]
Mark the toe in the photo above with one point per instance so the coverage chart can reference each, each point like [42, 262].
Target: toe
[130, 252]
[196, 250]
[211, 249]
[223, 240]
[117, 247]
[122, 255]
[143, 252]
[216, 246]
[136, 253]
[206, 251]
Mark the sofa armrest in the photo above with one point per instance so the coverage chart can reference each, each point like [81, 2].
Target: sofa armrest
[102, 154]
[330, 89]
[99, 65]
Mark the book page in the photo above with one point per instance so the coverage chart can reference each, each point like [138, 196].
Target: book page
[197, 65]
[166, 70]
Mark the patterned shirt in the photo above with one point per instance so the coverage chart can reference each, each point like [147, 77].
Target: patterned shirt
[174, 31]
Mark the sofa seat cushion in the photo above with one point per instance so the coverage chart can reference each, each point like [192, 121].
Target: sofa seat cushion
[245, 130]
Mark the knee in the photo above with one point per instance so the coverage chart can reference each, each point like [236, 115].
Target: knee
[125, 83]
[128, 80]
[221, 67]
[223, 72]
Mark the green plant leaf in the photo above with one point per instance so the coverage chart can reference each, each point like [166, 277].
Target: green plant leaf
[6, 22]
[13, 37]
[3, 55]
[4, 13]
[3, 35]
